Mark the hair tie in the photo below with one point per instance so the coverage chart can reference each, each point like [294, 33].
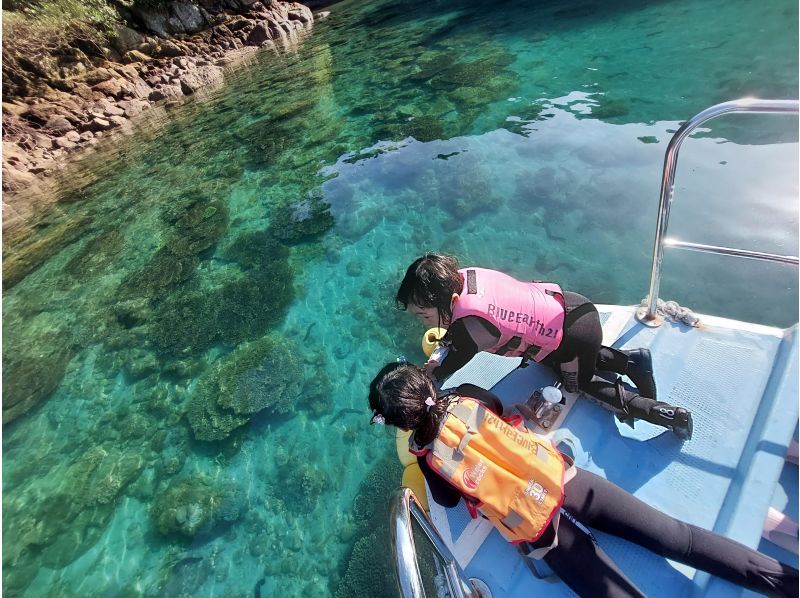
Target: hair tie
[377, 418]
[430, 403]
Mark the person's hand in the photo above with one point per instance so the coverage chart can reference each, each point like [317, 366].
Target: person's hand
[429, 367]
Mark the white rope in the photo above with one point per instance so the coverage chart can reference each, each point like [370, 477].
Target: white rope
[671, 310]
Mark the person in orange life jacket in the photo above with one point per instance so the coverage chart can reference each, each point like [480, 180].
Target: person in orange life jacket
[405, 396]
[486, 310]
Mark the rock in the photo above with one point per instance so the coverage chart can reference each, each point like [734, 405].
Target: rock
[63, 143]
[128, 71]
[238, 23]
[220, 32]
[86, 136]
[63, 84]
[98, 75]
[16, 180]
[139, 89]
[323, 14]
[135, 56]
[83, 91]
[155, 19]
[166, 92]
[14, 108]
[147, 48]
[43, 166]
[259, 35]
[40, 113]
[116, 87]
[118, 121]
[24, 166]
[168, 48]
[13, 154]
[58, 125]
[301, 13]
[187, 16]
[127, 39]
[73, 136]
[69, 71]
[97, 124]
[193, 80]
[40, 140]
[113, 110]
[131, 108]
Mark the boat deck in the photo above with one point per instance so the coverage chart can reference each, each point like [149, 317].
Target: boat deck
[741, 383]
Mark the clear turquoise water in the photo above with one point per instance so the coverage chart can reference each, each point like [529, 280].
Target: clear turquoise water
[232, 271]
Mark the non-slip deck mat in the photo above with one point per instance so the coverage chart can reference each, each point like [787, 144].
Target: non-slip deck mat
[741, 385]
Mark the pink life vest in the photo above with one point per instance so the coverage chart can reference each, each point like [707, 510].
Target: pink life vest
[529, 315]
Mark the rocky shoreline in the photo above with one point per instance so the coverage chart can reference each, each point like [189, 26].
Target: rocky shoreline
[185, 49]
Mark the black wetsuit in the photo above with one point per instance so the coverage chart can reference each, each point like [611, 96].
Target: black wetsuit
[582, 339]
[595, 502]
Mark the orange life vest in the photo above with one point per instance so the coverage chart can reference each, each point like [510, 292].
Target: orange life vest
[515, 478]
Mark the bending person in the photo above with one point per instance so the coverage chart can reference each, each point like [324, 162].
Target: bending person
[536, 499]
[486, 310]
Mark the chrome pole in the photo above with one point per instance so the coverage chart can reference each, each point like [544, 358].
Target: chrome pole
[405, 506]
[668, 178]
[751, 255]
[408, 574]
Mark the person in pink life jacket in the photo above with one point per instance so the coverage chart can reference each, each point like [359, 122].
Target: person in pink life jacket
[486, 310]
[402, 395]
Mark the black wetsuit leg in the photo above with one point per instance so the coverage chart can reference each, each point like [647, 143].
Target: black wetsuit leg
[583, 337]
[580, 563]
[598, 503]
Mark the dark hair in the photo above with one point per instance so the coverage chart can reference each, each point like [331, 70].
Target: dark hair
[398, 393]
[430, 281]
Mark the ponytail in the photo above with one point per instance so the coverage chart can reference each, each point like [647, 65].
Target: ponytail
[407, 398]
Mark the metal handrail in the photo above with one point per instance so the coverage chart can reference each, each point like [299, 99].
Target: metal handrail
[668, 190]
[404, 506]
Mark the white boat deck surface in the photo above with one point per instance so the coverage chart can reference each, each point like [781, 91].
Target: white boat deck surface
[741, 383]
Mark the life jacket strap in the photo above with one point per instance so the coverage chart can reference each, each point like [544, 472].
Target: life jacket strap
[472, 282]
[472, 419]
[513, 343]
[530, 353]
[512, 520]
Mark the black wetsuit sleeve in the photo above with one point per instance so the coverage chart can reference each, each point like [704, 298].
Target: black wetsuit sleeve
[441, 490]
[462, 346]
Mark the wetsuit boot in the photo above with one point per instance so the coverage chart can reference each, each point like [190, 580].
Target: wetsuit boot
[569, 375]
[637, 364]
[631, 405]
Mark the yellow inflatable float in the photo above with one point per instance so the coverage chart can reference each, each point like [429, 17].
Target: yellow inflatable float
[412, 475]
[430, 340]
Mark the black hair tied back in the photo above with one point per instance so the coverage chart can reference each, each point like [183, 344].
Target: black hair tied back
[407, 398]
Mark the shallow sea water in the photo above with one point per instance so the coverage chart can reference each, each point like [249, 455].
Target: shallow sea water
[231, 273]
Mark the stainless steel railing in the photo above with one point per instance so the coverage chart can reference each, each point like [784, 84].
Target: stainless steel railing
[668, 190]
[404, 507]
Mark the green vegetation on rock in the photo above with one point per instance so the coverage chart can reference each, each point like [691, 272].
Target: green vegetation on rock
[368, 572]
[188, 507]
[301, 221]
[260, 376]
